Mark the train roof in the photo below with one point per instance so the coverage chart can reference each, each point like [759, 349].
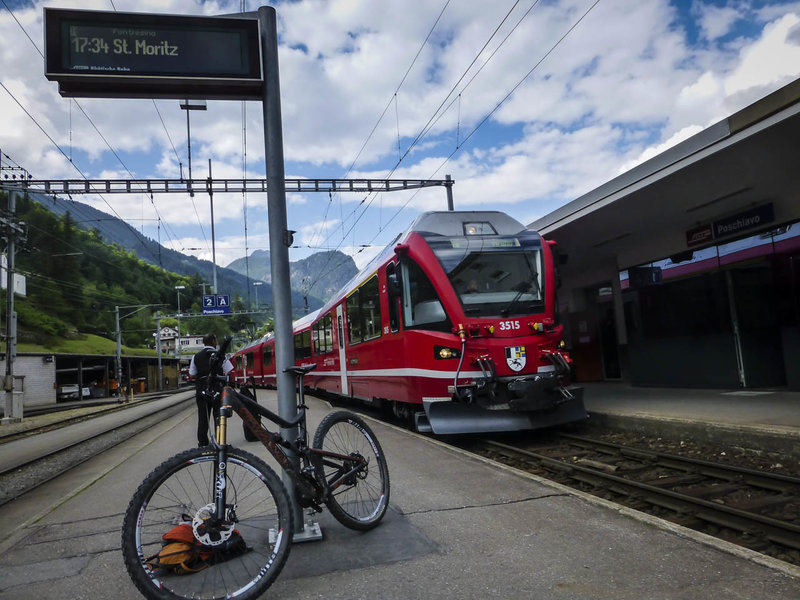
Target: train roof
[306, 320]
[451, 223]
[446, 223]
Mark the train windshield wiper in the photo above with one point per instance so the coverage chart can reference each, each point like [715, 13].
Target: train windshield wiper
[520, 288]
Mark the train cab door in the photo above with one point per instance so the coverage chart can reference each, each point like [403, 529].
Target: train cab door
[342, 354]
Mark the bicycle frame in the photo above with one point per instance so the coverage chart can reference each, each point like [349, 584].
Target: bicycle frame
[311, 490]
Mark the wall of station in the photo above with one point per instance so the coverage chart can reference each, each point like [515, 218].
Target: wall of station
[721, 316]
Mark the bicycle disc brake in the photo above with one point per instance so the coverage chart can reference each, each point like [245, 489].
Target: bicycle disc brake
[208, 530]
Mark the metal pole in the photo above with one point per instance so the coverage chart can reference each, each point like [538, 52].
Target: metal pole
[189, 151]
[178, 342]
[118, 365]
[158, 346]
[449, 188]
[213, 244]
[279, 235]
[13, 414]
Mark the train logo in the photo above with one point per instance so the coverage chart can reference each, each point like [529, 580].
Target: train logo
[515, 358]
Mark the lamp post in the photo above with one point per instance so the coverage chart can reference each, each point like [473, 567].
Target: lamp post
[178, 342]
[257, 284]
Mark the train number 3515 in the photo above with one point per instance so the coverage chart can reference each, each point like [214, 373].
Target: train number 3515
[509, 325]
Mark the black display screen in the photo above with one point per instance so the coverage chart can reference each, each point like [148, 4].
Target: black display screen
[149, 49]
[154, 50]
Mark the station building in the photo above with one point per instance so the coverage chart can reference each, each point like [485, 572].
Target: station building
[685, 270]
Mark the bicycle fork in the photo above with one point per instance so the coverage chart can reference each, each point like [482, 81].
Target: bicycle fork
[221, 465]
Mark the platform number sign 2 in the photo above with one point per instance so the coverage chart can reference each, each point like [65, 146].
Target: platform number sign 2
[219, 304]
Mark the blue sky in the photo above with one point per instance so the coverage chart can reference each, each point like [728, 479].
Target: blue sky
[522, 121]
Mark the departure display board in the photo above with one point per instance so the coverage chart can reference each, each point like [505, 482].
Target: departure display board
[112, 54]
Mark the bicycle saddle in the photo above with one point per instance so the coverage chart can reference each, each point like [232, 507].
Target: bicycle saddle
[300, 370]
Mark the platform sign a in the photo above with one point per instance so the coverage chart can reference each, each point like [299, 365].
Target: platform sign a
[219, 304]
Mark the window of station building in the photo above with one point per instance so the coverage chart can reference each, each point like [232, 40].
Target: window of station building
[364, 312]
[302, 345]
[323, 335]
[422, 308]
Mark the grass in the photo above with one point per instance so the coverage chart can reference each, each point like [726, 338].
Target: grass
[85, 344]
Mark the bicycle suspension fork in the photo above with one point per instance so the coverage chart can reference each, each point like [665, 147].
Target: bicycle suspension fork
[221, 465]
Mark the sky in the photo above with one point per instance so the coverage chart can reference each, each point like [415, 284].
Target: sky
[526, 104]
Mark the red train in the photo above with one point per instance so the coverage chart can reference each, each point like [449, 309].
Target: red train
[453, 327]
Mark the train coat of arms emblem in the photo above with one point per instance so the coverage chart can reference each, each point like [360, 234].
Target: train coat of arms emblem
[515, 358]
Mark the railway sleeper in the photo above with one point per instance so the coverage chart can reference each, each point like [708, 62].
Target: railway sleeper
[755, 504]
[709, 491]
[675, 480]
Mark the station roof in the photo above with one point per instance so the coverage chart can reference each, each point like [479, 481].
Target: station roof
[746, 160]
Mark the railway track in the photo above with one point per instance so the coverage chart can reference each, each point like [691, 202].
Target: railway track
[31, 459]
[755, 509]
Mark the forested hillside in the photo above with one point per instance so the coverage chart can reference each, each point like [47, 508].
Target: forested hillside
[75, 279]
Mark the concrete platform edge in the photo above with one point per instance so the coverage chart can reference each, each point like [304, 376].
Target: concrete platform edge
[774, 438]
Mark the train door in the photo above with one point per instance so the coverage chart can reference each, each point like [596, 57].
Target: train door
[342, 353]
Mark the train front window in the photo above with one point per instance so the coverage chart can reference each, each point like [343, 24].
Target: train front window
[497, 276]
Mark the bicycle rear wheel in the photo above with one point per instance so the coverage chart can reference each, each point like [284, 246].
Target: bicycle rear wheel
[361, 495]
[180, 490]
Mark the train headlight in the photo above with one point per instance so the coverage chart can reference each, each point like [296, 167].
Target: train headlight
[479, 228]
[443, 352]
[562, 345]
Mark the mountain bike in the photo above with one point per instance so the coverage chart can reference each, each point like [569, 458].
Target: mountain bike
[234, 508]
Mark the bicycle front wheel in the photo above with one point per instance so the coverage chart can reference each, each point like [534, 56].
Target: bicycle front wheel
[359, 476]
[181, 490]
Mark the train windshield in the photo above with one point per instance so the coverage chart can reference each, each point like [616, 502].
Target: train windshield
[494, 276]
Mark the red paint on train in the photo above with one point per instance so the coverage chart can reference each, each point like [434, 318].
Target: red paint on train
[453, 326]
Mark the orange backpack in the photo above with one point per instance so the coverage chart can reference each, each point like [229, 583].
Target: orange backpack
[182, 554]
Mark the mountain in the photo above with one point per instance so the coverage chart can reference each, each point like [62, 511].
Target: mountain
[320, 275]
[116, 231]
[256, 265]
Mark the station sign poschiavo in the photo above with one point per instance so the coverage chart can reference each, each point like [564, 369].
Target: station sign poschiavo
[144, 55]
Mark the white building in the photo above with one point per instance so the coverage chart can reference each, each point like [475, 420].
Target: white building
[189, 344]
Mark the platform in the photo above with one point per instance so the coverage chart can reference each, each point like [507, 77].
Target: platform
[767, 419]
[458, 527]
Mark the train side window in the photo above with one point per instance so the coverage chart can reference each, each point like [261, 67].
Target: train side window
[393, 289]
[323, 335]
[327, 324]
[302, 345]
[249, 358]
[267, 355]
[354, 318]
[421, 305]
[364, 312]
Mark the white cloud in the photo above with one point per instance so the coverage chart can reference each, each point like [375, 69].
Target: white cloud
[716, 21]
[773, 59]
[623, 86]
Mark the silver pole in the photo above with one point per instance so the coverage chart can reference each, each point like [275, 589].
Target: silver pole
[213, 243]
[13, 412]
[449, 187]
[118, 365]
[279, 235]
[160, 385]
